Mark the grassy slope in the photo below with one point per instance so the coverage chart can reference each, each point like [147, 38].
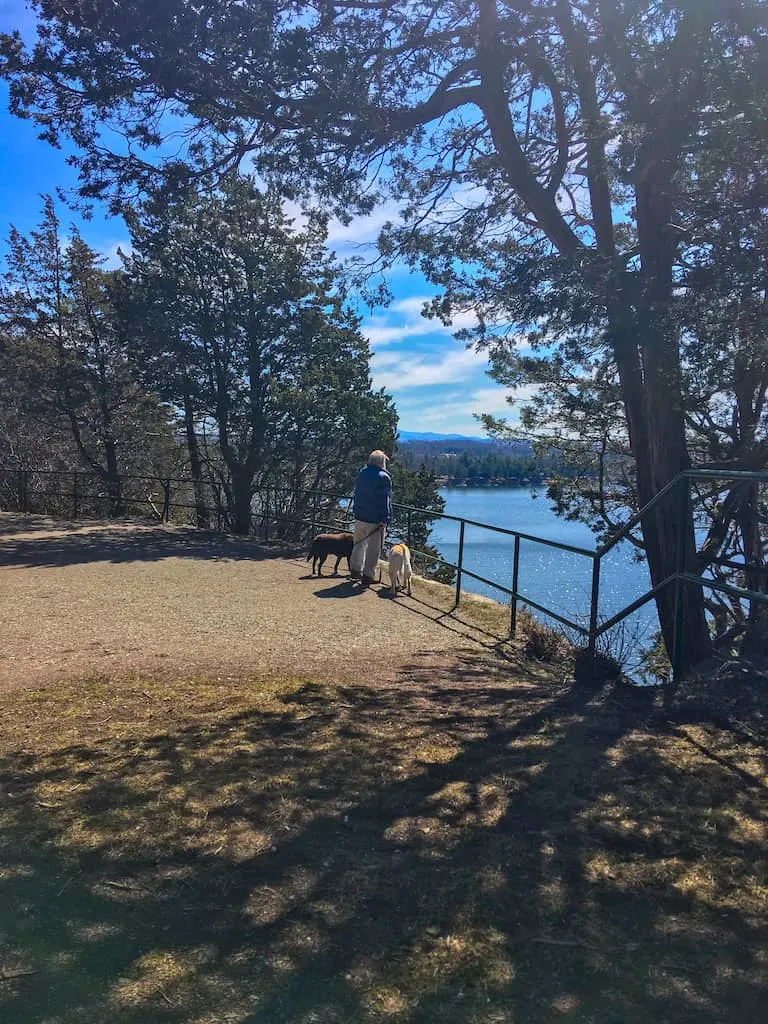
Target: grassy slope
[452, 849]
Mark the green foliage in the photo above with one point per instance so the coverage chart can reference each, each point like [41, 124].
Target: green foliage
[418, 489]
[223, 314]
[243, 324]
[74, 399]
[479, 464]
[655, 667]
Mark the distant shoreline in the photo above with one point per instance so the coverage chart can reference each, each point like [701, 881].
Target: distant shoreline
[506, 485]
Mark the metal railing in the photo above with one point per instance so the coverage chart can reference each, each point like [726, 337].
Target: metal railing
[459, 567]
[679, 490]
[282, 512]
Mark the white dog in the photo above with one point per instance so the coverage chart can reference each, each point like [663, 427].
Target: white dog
[400, 571]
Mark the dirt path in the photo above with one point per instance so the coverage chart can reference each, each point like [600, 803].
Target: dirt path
[114, 598]
[314, 804]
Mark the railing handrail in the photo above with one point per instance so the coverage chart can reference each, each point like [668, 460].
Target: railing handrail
[595, 629]
[691, 474]
[726, 474]
[435, 514]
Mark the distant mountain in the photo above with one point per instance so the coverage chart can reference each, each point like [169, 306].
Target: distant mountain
[415, 435]
[417, 448]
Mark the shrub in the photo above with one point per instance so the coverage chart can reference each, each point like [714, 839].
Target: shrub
[542, 643]
[594, 668]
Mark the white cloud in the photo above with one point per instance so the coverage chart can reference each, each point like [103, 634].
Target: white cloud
[403, 319]
[445, 418]
[379, 332]
[494, 400]
[362, 230]
[412, 305]
[382, 360]
[414, 371]
[365, 230]
[451, 411]
[111, 255]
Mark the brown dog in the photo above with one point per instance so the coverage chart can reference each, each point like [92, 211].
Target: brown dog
[324, 544]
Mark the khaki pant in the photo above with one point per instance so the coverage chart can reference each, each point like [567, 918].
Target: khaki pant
[365, 554]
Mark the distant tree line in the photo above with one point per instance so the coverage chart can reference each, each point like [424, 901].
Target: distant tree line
[479, 464]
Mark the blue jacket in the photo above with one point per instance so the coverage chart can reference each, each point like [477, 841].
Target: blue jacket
[373, 496]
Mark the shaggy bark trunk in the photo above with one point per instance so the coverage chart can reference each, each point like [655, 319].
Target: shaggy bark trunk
[649, 373]
[195, 463]
[114, 483]
[641, 324]
[242, 492]
[756, 574]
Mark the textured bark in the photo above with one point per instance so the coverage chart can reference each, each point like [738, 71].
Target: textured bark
[242, 492]
[195, 464]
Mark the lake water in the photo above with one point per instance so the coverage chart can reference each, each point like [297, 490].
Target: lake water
[558, 579]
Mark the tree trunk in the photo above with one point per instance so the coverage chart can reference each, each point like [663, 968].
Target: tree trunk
[651, 377]
[649, 374]
[242, 492]
[195, 463]
[114, 483]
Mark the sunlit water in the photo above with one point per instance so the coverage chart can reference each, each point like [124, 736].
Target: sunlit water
[557, 579]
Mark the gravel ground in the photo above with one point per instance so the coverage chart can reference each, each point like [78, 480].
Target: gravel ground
[116, 598]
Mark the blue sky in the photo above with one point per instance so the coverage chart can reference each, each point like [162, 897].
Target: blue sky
[436, 382]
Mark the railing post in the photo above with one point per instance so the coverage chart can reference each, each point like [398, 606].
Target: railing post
[266, 514]
[677, 636]
[408, 538]
[217, 494]
[166, 485]
[25, 491]
[75, 508]
[515, 578]
[314, 514]
[594, 606]
[459, 562]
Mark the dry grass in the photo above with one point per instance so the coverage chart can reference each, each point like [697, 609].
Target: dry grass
[122, 598]
[416, 830]
[452, 850]
[485, 617]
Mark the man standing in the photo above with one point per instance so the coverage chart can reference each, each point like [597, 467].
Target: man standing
[372, 509]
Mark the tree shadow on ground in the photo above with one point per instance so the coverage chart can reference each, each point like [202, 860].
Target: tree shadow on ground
[60, 544]
[13, 523]
[451, 849]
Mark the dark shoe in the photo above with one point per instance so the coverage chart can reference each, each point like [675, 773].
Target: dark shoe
[368, 580]
[354, 574]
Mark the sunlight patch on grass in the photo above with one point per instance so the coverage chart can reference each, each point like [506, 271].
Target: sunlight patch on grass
[475, 959]
[434, 752]
[160, 973]
[369, 854]
[386, 1001]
